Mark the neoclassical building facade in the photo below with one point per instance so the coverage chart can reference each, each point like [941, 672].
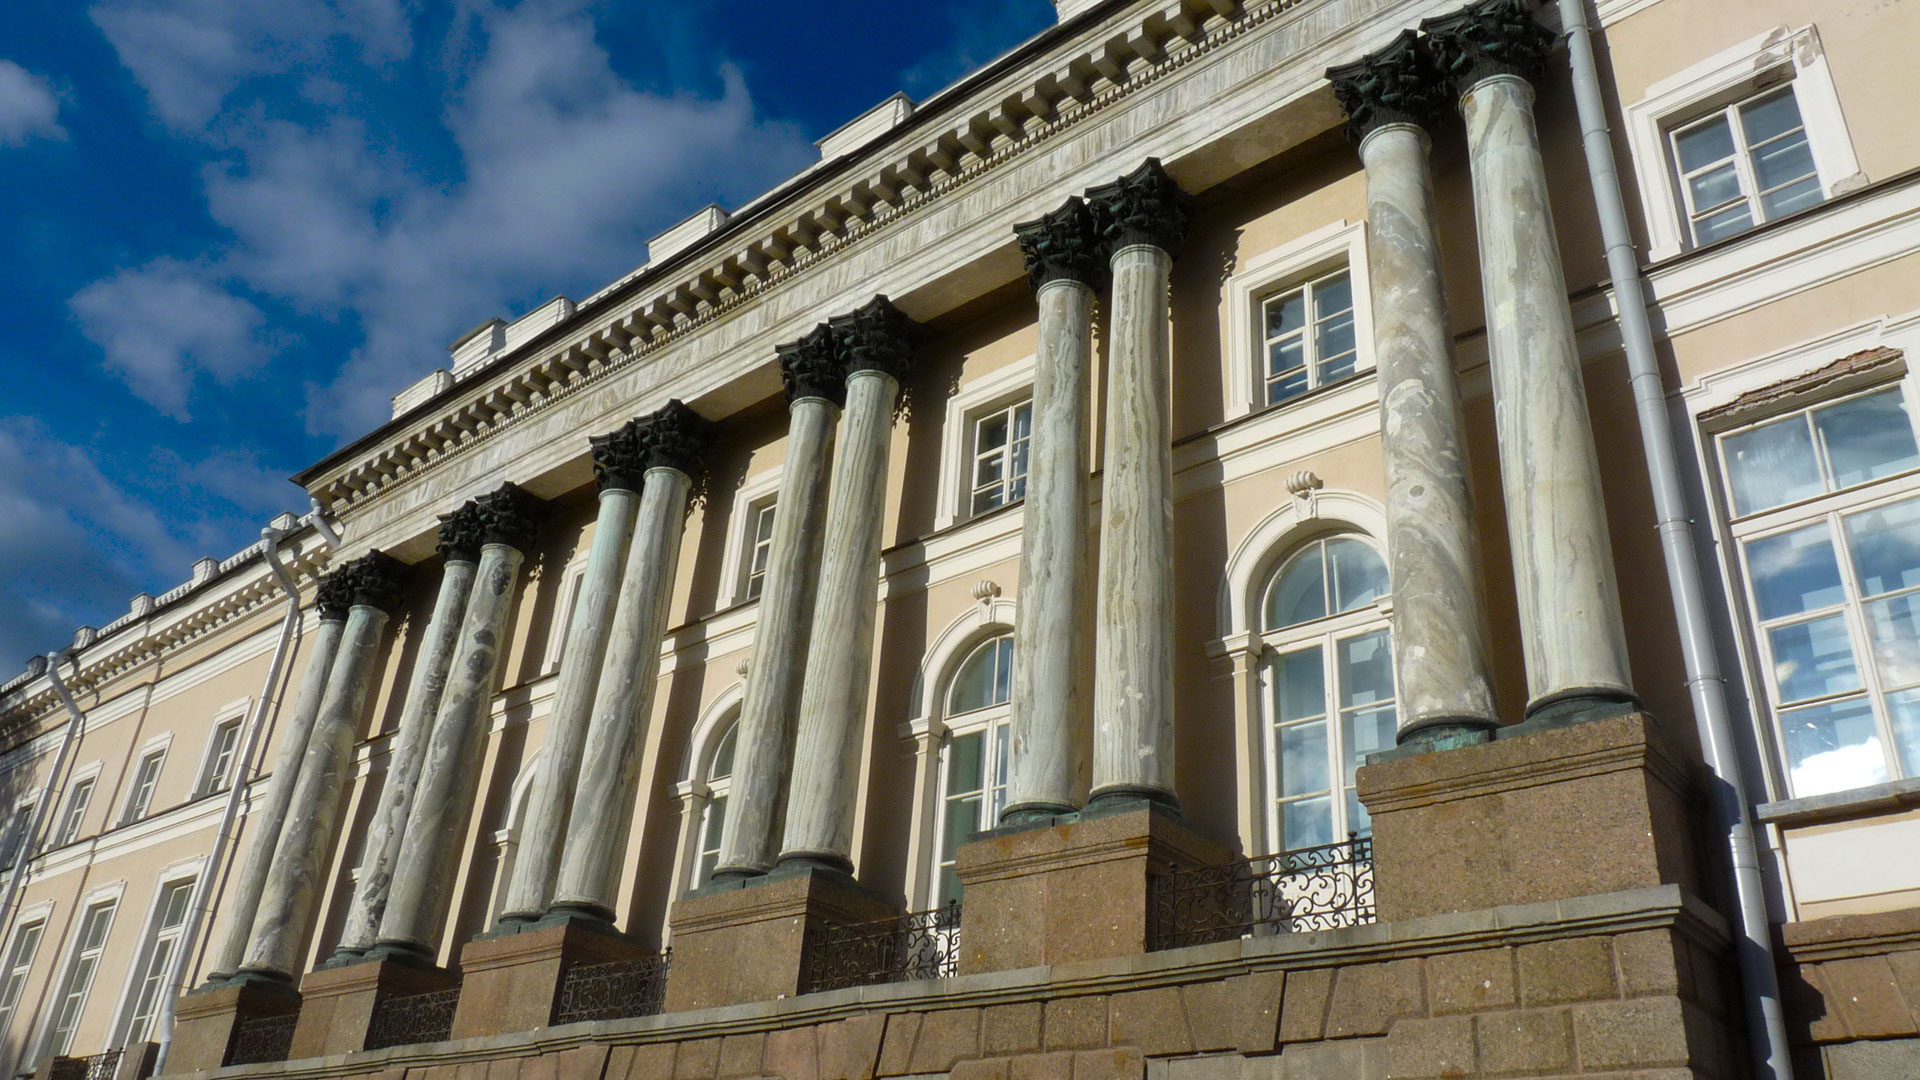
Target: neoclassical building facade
[1246, 538]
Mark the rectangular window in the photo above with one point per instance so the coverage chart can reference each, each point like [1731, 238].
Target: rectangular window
[760, 546]
[1000, 442]
[1827, 527]
[145, 779]
[974, 797]
[76, 814]
[169, 918]
[16, 835]
[72, 998]
[1744, 164]
[26, 942]
[1309, 337]
[220, 752]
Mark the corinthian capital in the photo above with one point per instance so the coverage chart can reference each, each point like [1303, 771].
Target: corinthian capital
[462, 533]
[335, 593]
[875, 337]
[375, 580]
[620, 459]
[1398, 84]
[678, 438]
[510, 516]
[1064, 246]
[811, 367]
[1492, 37]
[1143, 207]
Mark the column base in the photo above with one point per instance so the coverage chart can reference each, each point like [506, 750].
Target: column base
[339, 1002]
[513, 976]
[1076, 888]
[743, 944]
[1440, 733]
[1579, 705]
[204, 1020]
[1035, 815]
[1541, 813]
[1126, 798]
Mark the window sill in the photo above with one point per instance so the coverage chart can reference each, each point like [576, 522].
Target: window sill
[1841, 805]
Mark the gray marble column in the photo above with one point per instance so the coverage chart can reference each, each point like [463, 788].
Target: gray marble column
[1143, 216]
[300, 860]
[1443, 684]
[763, 749]
[876, 346]
[1066, 261]
[421, 894]
[674, 442]
[459, 545]
[550, 803]
[334, 598]
[1570, 623]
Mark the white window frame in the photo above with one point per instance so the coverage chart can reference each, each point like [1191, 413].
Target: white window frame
[139, 969]
[207, 784]
[1315, 255]
[571, 581]
[135, 809]
[1759, 63]
[991, 722]
[691, 787]
[14, 835]
[59, 989]
[997, 390]
[758, 492]
[69, 827]
[1326, 632]
[712, 789]
[40, 915]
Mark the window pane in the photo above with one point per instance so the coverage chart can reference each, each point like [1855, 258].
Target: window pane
[1715, 187]
[1287, 355]
[1903, 709]
[993, 433]
[974, 685]
[1703, 145]
[1339, 367]
[986, 470]
[1307, 823]
[763, 526]
[1300, 593]
[1003, 670]
[964, 761]
[1285, 314]
[1793, 197]
[1359, 574]
[963, 820]
[1885, 546]
[722, 766]
[1867, 438]
[1300, 687]
[1769, 117]
[1303, 758]
[1332, 296]
[1893, 626]
[1366, 670]
[1291, 386]
[1813, 659]
[1833, 747]
[1359, 821]
[1772, 464]
[1794, 572]
[716, 824]
[1723, 224]
[1366, 731]
[1780, 163]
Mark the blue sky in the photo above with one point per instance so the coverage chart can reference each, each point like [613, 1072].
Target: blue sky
[232, 229]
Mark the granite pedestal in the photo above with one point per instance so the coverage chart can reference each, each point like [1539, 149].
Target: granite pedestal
[513, 979]
[204, 1020]
[339, 1002]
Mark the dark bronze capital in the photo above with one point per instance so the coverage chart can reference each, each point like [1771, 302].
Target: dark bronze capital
[375, 580]
[1143, 207]
[510, 516]
[811, 367]
[335, 593]
[1492, 37]
[1064, 246]
[1398, 84]
[677, 438]
[875, 337]
[461, 533]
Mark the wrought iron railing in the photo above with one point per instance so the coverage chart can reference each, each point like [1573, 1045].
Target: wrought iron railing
[262, 1039]
[1316, 888]
[613, 991]
[415, 1018]
[905, 948]
[96, 1067]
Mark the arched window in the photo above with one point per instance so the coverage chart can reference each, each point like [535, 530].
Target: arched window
[973, 775]
[719, 779]
[1330, 695]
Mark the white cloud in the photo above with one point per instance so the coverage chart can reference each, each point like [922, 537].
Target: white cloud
[562, 171]
[164, 324]
[28, 108]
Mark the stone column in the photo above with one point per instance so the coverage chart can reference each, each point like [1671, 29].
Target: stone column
[617, 466]
[335, 596]
[815, 385]
[1570, 625]
[1066, 262]
[875, 345]
[1143, 216]
[297, 879]
[668, 447]
[460, 547]
[422, 889]
[1444, 687]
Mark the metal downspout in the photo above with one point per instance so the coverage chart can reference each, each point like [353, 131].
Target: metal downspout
[198, 910]
[1760, 991]
[75, 726]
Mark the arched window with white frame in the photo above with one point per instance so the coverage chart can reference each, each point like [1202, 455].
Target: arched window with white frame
[1329, 691]
[718, 777]
[973, 765]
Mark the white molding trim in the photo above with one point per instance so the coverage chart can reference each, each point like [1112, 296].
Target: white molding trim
[187, 869]
[757, 489]
[1256, 554]
[995, 615]
[1292, 263]
[35, 1046]
[1749, 63]
[996, 389]
[571, 576]
[702, 740]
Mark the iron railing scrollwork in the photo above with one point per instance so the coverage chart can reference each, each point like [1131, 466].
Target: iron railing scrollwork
[905, 948]
[262, 1039]
[96, 1067]
[613, 991]
[415, 1018]
[1318, 888]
